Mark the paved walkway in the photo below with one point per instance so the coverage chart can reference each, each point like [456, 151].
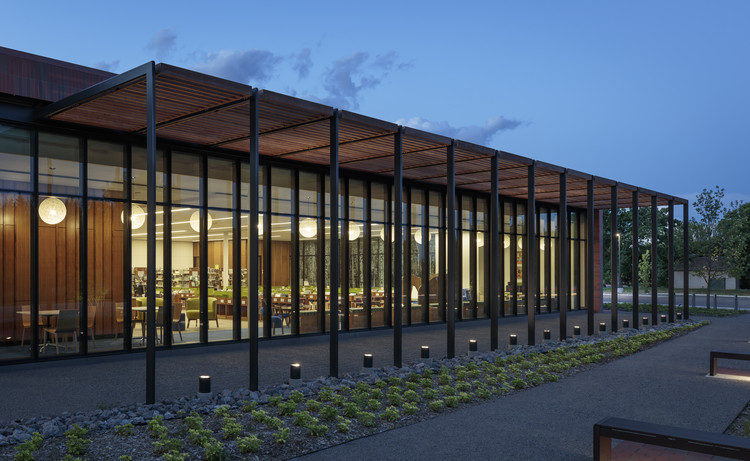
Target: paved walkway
[666, 384]
[49, 388]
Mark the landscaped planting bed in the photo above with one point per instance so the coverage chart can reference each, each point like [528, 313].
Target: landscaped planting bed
[281, 422]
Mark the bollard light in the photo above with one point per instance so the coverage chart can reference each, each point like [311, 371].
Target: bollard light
[679, 315]
[204, 386]
[472, 345]
[295, 374]
[644, 320]
[425, 353]
[602, 327]
[513, 340]
[367, 361]
[625, 323]
[547, 335]
[576, 331]
[663, 318]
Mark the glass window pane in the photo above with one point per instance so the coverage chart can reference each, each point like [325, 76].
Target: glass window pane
[15, 270]
[59, 167]
[220, 183]
[138, 157]
[106, 170]
[186, 179]
[281, 190]
[15, 158]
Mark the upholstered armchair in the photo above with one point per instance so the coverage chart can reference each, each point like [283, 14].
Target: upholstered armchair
[193, 310]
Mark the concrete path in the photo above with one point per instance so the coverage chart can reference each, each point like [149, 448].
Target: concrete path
[666, 384]
[80, 384]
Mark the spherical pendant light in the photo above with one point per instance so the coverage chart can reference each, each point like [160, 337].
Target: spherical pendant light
[382, 234]
[418, 236]
[137, 217]
[480, 240]
[354, 231]
[260, 225]
[195, 220]
[52, 210]
[506, 242]
[308, 228]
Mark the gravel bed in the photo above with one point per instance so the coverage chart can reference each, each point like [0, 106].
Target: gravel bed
[457, 382]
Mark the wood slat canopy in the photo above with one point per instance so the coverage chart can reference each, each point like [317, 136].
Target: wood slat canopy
[212, 112]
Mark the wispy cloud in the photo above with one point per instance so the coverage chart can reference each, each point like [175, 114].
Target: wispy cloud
[303, 63]
[248, 66]
[348, 77]
[163, 43]
[108, 66]
[471, 133]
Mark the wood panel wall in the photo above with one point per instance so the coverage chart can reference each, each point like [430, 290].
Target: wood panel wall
[281, 252]
[105, 261]
[15, 258]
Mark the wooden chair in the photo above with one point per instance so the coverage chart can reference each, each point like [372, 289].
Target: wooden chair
[91, 321]
[67, 325]
[119, 317]
[26, 324]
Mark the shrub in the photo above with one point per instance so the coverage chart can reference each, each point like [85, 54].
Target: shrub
[249, 444]
[275, 400]
[343, 425]
[303, 418]
[395, 399]
[157, 428]
[325, 394]
[282, 436]
[366, 419]
[374, 404]
[124, 429]
[232, 429]
[313, 406]
[194, 421]
[329, 413]
[258, 415]
[25, 451]
[451, 401]
[222, 411]
[519, 383]
[76, 441]
[435, 405]
[317, 430]
[410, 408]
[296, 396]
[247, 407]
[287, 408]
[274, 423]
[167, 445]
[214, 450]
[390, 414]
[351, 409]
[429, 394]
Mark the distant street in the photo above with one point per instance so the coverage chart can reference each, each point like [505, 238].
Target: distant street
[724, 301]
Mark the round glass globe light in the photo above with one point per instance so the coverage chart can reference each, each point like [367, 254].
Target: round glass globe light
[308, 228]
[195, 220]
[52, 210]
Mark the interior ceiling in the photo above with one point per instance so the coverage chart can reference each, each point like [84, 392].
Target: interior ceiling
[212, 112]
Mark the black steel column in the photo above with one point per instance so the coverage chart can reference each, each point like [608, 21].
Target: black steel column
[34, 245]
[151, 234]
[127, 327]
[344, 258]
[635, 259]
[406, 259]
[321, 255]
[685, 262]
[203, 269]
[398, 199]
[83, 236]
[450, 308]
[295, 253]
[472, 260]
[494, 243]
[590, 257]
[252, 243]
[425, 276]
[670, 260]
[614, 260]
[333, 353]
[531, 254]
[563, 249]
[368, 255]
[440, 252]
[237, 254]
[167, 253]
[654, 261]
[267, 309]
[388, 259]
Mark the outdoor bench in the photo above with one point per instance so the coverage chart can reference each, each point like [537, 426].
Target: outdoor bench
[728, 446]
[715, 355]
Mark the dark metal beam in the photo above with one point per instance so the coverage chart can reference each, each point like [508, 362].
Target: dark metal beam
[450, 313]
[563, 248]
[398, 199]
[333, 357]
[34, 247]
[203, 269]
[635, 260]
[252, 244]
[198, 114]
[685, 261]
[590, 257]
[654, 260]
[614, 256]
[494, 243]
[151, 233]
[100, 89]
[295, 250]
[275, 130]
[237, 254]
[531, 255]
[670, 260]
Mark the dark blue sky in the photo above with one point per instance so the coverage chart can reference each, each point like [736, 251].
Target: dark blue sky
[654, 94]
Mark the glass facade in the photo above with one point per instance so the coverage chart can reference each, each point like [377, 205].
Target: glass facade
[89, 219]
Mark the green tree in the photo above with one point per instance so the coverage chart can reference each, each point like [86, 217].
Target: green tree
[708, 237]
[736, 229]
[644, 270]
